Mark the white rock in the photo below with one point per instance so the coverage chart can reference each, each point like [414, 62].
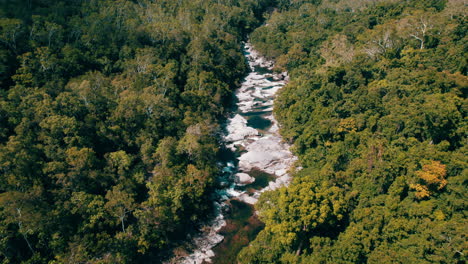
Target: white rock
[238, 129]
[234, 193]
[280, 172]
[267, 153]
[244, 178]
[210, 254]
[248, 199]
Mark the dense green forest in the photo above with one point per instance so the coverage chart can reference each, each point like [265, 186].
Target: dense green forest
[109, 127]
[108, 123]
[376, 109]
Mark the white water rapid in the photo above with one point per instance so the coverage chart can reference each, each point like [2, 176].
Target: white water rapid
[252, 132]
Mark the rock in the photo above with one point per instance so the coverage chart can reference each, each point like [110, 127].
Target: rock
[243, 178]
[209, 254]
[268, 154]
[286, 179]
[280, 172]
[248, 199]
[238, 129]
[274, 185]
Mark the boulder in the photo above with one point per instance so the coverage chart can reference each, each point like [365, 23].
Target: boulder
[243, 178]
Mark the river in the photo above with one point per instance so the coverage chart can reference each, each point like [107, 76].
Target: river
[259, 161]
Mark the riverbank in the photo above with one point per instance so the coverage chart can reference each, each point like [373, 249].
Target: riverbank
[262, 161]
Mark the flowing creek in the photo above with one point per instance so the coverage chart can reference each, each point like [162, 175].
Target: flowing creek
[259, 161]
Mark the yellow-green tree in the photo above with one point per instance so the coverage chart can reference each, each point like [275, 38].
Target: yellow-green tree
[431, 178]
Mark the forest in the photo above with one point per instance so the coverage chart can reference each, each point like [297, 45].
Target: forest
[376, 109]
[109, 114]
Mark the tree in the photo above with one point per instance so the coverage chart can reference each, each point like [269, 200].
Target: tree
[337, 50]
[432, 177]
[10, 31]
[119, 162]
[383, 40]
[419, 28]
[80, 173]
[293, 213]
[21, 212]
[119, 204]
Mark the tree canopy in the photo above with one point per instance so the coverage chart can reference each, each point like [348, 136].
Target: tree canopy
[376, 111]
[108, 114]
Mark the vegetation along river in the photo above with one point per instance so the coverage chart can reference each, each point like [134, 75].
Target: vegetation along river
[259, 162]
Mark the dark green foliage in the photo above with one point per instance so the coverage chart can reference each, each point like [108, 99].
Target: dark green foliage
[108, 113]
[376, 110]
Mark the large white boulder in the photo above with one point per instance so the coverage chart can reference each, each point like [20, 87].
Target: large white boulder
[238, 129]
[244, 178]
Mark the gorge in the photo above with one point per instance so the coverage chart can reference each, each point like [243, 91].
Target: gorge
[262, 163]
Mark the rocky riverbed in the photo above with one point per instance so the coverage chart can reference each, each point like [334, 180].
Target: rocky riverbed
[262, 163]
